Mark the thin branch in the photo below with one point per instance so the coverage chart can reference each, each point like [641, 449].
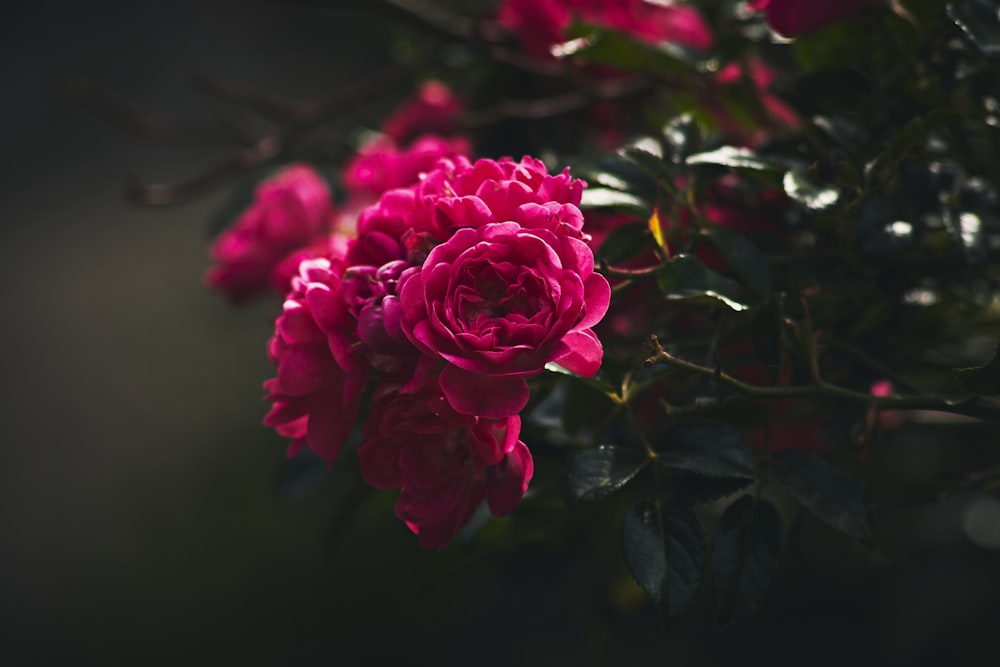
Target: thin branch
[156, 194]
[305, 114]
[140, 122]
[971, 406]
[555, 105]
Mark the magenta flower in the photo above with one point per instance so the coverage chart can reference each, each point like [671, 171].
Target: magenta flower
[383, 165]
[288, 213]
[444, 463]
[406, 223]
[794, 17]
[321, 375]
[538, 24]
[498, 302]
[541, 24]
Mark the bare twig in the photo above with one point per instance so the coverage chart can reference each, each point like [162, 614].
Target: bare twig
[970, 406]
[140, 122]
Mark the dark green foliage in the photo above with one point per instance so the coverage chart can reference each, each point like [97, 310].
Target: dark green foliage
[745, 554]
[664, 548]
[598, 472]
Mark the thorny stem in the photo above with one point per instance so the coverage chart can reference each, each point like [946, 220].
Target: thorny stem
[970, 406]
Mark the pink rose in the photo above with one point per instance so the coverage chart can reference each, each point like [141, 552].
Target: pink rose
[406, 223]
[498, 301]
[317, 391]
[287, 214]
[541, 24]
[382, 165]
[444, 463]
[794, 17]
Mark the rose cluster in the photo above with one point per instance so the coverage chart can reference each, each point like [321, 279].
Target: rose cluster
[453, 293]
[541, 24]
[292, 217]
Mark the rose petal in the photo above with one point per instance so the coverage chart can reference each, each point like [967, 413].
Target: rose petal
[489, 397]
[585, 355]
[507, 481]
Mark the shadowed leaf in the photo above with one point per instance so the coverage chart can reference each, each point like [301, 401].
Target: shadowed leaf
[712, 449]
[599, 472]
[745, 554]
[834, 498]
[664, 548]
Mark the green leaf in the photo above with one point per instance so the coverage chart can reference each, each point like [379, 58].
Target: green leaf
[596, 382]
[650, 163]
[608, 198]
[744, 258]
[982, 380]
[738, 158]
[692, 489]
[745, 554]
[765, 334]
[618, 50]
[811, 195]
[685, 277]
[624, 242]
[683, 137]
[980, 21]
[599, 472]
[846, 131]
[664, 549]
[712, 449]
[837, 500]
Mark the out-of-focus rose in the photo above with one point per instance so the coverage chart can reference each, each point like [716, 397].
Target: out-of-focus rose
[794, 17]
[541, 24]
[498, 302]
[288, 213]
[434, 110]
[887, 419]
[444, 463]
[538, 24]
[317, 390]
[779, 118]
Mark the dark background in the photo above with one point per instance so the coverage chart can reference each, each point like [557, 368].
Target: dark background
[141, 520]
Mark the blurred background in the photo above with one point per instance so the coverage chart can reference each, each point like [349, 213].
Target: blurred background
[142, 519]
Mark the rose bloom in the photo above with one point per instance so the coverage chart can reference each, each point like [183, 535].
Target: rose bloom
[382, 165]
[498, 302]
[794, 17]
[444, 463]
[320, 376]
[407, 222]
[541, 24]
[289, 212]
